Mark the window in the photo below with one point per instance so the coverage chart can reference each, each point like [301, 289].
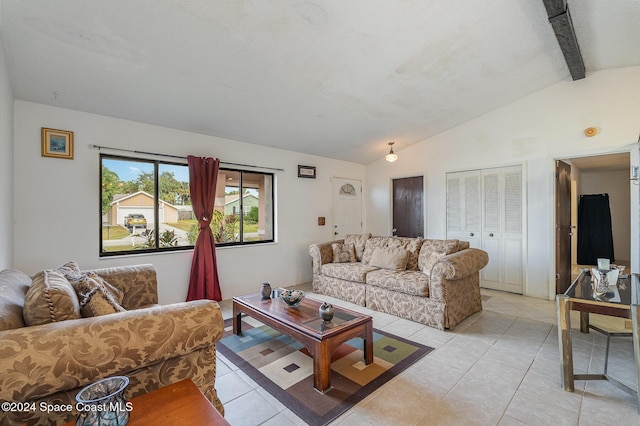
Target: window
[146, 207]
[245, 211]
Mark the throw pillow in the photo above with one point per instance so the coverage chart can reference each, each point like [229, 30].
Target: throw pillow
[359, 241]
[343, 253]
[389, 258]
[50, 299]
[431, 260]
[71, 271]
[94, 296]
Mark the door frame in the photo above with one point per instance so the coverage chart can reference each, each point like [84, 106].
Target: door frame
[424, 200]
[634, 159]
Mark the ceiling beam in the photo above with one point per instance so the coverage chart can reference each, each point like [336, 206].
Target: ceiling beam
[560, 21]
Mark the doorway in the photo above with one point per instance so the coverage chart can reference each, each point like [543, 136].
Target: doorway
[600, 174]
[408, 207]
[347, 207]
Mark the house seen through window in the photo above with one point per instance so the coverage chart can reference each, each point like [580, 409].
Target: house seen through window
[146, 207]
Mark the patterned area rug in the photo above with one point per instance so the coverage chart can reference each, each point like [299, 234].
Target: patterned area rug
[284, 368]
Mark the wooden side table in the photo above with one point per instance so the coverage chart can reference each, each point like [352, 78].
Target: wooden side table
[178, 404]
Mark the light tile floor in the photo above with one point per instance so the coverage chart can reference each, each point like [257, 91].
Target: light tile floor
[498, 367]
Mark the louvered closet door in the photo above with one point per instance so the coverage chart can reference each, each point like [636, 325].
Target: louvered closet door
[512, 241]
[502, 229]
[491, 235]
[484, 207]
[463, 206]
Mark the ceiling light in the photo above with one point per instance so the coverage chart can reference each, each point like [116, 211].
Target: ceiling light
[391, 156]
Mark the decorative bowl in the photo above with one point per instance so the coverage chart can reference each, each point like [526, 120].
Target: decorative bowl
[292, 297]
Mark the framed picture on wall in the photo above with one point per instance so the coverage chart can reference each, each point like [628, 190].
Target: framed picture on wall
[307, 172]
[57, 143]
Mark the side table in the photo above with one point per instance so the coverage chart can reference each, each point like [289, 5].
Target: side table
[178, 404]
[580, 297]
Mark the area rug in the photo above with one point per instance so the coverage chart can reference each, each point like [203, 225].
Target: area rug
[284, 368]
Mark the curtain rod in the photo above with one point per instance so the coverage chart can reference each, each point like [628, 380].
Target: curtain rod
[99, 147]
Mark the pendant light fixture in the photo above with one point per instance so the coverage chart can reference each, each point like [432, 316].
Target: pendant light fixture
[391, 156]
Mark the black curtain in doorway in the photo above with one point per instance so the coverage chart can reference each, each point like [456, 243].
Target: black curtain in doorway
[595, 238]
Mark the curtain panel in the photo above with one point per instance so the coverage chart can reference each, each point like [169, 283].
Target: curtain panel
[203, 281]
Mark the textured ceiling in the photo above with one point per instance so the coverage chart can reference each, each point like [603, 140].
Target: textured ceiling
[334, 78]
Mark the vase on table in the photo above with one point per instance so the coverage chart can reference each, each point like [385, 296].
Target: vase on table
[326, 311]
[103, 403]
[266, 290]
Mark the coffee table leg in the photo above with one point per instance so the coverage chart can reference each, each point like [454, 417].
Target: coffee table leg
[368, 344]
[237, 323]
[321, 367]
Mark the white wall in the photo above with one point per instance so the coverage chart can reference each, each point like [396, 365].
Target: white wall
[617, 185]
[57, 201]
[533, 131]
[6, 166]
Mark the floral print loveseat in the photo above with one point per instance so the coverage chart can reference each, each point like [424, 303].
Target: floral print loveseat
[46, 365]
[433, 282]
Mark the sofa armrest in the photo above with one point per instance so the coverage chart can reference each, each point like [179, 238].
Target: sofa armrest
[41, 360]
[320, 254]
[138, 283]
[455, 266]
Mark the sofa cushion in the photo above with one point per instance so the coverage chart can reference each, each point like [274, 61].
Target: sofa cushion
[94, 296]
[355, 272]
[409, 282]
[14, 285]
[71, 271]
[435, 246]
[372, 244]
[412, 245]
[359, 241]
[343, 252]
[390, 258]
[50, 299]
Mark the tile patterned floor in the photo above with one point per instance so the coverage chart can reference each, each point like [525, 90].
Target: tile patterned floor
[498, 367]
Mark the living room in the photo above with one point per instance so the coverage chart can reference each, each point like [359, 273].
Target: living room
[49, 207]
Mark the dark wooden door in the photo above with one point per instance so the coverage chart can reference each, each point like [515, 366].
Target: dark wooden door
[563, 226]
[408, 207]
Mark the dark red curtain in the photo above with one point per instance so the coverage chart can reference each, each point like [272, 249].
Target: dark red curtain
[203, 282]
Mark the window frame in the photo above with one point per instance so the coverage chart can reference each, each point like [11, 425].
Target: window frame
[157, 249]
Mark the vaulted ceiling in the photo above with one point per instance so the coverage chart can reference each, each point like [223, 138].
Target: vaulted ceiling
[336, 78]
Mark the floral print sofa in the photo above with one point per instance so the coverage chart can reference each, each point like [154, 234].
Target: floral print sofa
[433, 282]
[152, 345]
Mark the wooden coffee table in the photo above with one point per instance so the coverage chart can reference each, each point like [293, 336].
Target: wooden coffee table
[304, 325]
[180, 403]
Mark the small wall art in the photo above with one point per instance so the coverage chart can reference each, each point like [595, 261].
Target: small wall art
[57, 143]
[307, 172]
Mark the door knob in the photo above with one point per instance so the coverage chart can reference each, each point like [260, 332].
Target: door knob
[335, 233]
[471, 234]
[491, 234]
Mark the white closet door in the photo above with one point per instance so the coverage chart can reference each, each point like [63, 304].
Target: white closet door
[463, 206]
[512, 250]
[484, 207]
[491, 227]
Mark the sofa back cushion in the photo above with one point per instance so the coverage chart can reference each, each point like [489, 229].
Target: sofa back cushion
[50, 299]
[343, 253]
[441, 247]
[411, 245]
[359, 241]
[14, 285]
[389, 258]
